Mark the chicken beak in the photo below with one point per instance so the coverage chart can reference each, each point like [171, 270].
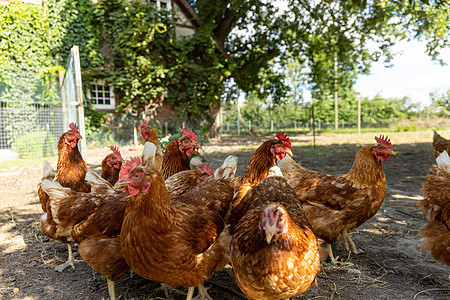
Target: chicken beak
[392, 152]
[197, 146]
[78, 137]
[269, 236]
[270, 232]
[123, 182]
[289, 151]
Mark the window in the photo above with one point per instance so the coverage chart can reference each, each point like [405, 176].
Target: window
[102, 95]
[161, 4]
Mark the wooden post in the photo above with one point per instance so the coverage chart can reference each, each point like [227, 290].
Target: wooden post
[313, 126]
[335, 92]
[76, 59]
[221, 121]
[359, 116]
[238, 119]
[63, 101]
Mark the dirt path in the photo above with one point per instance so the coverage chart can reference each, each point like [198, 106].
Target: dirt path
[391, 266]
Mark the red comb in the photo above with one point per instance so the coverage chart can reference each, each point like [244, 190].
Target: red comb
[74, 128]
[207, 170]
[115, 150]
[129, 166]
[190, 134]
[144, 125]
[284, 138]
[384, 141]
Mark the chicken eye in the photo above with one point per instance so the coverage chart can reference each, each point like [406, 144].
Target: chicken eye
[136, 175]
[186, 141]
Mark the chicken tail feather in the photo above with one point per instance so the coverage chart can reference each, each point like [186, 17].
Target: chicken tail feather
[56, 192]
[98, 184]
[148, 155]
[443, 161]
[48, 171]
[228, 169]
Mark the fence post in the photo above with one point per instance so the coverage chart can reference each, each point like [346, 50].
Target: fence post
[359, 116]
[77, 67]
[318, 124]
[228, 125]
[342, 123]
[221, 121]
[63, 101]
[295, 125]
[271, 125]
[249, 126]
[183, 125]
[238, 119]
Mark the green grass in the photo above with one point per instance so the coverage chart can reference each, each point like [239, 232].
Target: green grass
[26, 162]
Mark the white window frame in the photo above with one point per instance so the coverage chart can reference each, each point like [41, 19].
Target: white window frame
[95, 96]
[158, 3]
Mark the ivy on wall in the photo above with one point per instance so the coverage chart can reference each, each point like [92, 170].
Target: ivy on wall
[130, 44]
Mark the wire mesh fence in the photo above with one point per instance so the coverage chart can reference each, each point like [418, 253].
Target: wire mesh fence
[29, 131]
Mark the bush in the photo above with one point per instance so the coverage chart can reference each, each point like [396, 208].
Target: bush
[36, 145]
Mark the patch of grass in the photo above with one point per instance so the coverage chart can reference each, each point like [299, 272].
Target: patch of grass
[26, 162]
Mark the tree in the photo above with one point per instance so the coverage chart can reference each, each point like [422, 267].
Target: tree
[259, 38]
[440, 103]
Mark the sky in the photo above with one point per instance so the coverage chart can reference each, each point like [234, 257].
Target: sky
[413, 74]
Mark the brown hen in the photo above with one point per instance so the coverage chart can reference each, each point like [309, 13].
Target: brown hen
[265, 157]
[94, 221]
[337, 204]
[175, 241]
[150, 135]
[70, 172]
[274, 251]
[175, 158]
[440, 144]
[436, 192]
[111, 165]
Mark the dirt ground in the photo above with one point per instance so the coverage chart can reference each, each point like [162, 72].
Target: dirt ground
[392, 265]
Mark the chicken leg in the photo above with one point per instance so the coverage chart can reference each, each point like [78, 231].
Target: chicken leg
[348, 240]
[70, 260]
[111, 290]
[330, 253]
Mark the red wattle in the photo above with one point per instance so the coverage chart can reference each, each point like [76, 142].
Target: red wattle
[190, 151]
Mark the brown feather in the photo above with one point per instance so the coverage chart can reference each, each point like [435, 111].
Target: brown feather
[174, 160]
[173, 240]
[282, 269]
[440, 144]
[435, 233]
[110, 174]
[337, 204]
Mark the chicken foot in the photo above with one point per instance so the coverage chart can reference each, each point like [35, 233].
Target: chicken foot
[202, 293]
[168, 289]
[348, 240]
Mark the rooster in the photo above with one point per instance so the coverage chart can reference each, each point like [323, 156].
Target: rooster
[440, 144]
[175, 158]
[70, 172]
[151, 136]
[337, 204]
[436, 192]
[265, 157]
[93, 220]
[177, 241]
[274, 251]
[111, 165]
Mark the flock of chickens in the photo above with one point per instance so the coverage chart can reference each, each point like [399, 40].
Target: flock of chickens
[176, 221]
